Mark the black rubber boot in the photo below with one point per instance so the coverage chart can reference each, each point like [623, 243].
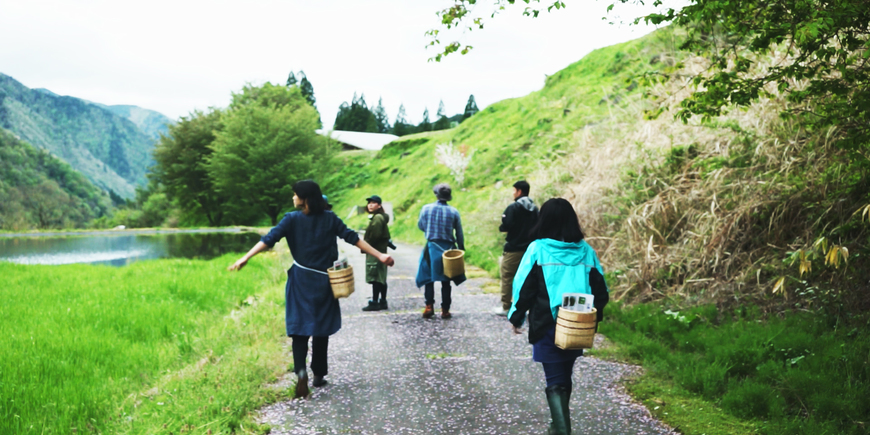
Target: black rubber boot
[372, 306]
[566, 401]
[557, 399]
[302, 383]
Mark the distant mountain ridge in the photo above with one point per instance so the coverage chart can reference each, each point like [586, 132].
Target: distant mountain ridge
[151, 122]
[110, 145]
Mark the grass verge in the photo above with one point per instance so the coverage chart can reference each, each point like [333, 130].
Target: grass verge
[709, 372]
[163, 346]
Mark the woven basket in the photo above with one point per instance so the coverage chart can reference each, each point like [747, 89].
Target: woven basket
[575, 330]
[341, 281]
[454, 262]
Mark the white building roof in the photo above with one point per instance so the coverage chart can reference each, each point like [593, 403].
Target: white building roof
[356, 139]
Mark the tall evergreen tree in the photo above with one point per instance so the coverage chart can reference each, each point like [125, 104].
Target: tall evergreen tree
[381, 117]
[307, 90]
[356, 116]
[425, 124]
[470, 108]
[442, 123]
[401, 127]
[291, 79]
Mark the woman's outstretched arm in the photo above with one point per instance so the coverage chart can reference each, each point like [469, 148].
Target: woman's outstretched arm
[368, 249]
[241, 262]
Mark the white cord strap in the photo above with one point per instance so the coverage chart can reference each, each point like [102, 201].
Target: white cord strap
[308, 268]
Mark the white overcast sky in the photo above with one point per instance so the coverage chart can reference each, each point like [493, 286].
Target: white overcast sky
[178, 56]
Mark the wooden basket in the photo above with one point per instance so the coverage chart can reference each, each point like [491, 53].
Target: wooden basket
[575, 330]
[454, 262]
[341, 281]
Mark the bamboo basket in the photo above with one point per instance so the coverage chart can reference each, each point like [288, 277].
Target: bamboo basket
[454, 262]
[575, 330]
[341, 281]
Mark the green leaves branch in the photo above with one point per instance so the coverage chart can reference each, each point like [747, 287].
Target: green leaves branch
[455, 15]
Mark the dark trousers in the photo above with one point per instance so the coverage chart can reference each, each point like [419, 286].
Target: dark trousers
[559, 373]
[429, 294]
[379, 289]
[319, 345]
[510, 262]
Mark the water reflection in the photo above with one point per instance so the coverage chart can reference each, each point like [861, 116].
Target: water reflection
[120, 250]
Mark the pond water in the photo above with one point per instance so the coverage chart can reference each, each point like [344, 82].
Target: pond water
[122, 249]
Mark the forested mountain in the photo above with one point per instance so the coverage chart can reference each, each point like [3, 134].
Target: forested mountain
[150, 122]
[38, 190]
[110, 149]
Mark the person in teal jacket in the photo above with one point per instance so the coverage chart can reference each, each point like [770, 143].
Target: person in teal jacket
[558, 261]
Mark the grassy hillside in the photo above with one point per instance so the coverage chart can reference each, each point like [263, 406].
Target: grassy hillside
[39, 191]
[523, 138]
[109, 149]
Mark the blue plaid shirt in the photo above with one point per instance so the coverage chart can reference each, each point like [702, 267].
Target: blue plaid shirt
[438, 220]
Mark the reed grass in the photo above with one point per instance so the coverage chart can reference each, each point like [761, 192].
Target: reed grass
[155, 347]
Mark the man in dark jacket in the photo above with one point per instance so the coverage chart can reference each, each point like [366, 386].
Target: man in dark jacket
[517, 221]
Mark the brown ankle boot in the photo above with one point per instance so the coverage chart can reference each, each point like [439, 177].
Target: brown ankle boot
[445, 313]
[428, 312]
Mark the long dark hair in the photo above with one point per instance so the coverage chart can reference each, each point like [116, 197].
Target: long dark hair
[558, 221]
[309, 191]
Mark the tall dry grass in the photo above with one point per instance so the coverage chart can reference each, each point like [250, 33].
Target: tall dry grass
[704, 229]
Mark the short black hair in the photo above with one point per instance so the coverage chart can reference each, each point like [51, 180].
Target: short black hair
[309, 191]
[523, 186]
[558, 221]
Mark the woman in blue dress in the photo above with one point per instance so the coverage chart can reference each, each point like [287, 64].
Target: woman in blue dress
[311, 309]
[558, 261]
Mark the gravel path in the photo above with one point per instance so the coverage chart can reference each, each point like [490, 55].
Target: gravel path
[393, 372]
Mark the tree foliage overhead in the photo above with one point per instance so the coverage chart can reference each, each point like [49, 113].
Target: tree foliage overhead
[822, 48]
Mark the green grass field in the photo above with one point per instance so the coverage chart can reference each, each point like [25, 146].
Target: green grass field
[157, 346]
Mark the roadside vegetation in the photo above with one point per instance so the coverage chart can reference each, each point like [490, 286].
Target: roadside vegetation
[736, 244]
[161, 346]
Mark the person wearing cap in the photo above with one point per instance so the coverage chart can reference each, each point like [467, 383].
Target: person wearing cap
[443, 228]
[517, 221]
[378, 235]
[311, 310]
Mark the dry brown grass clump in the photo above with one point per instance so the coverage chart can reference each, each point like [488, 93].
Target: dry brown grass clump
[710, 209]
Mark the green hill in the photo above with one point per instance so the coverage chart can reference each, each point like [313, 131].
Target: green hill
[522, 138]
[109, 149]
[39, 191]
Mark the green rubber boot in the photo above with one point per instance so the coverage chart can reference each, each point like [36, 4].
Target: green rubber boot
[557, 398]
[566, 400]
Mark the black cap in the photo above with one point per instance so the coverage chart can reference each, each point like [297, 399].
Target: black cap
[443, 192]
[374, 198]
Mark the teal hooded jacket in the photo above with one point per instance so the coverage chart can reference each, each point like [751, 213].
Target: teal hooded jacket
[565, 266]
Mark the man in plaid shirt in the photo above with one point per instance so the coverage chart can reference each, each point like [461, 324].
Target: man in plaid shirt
[439, 222]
